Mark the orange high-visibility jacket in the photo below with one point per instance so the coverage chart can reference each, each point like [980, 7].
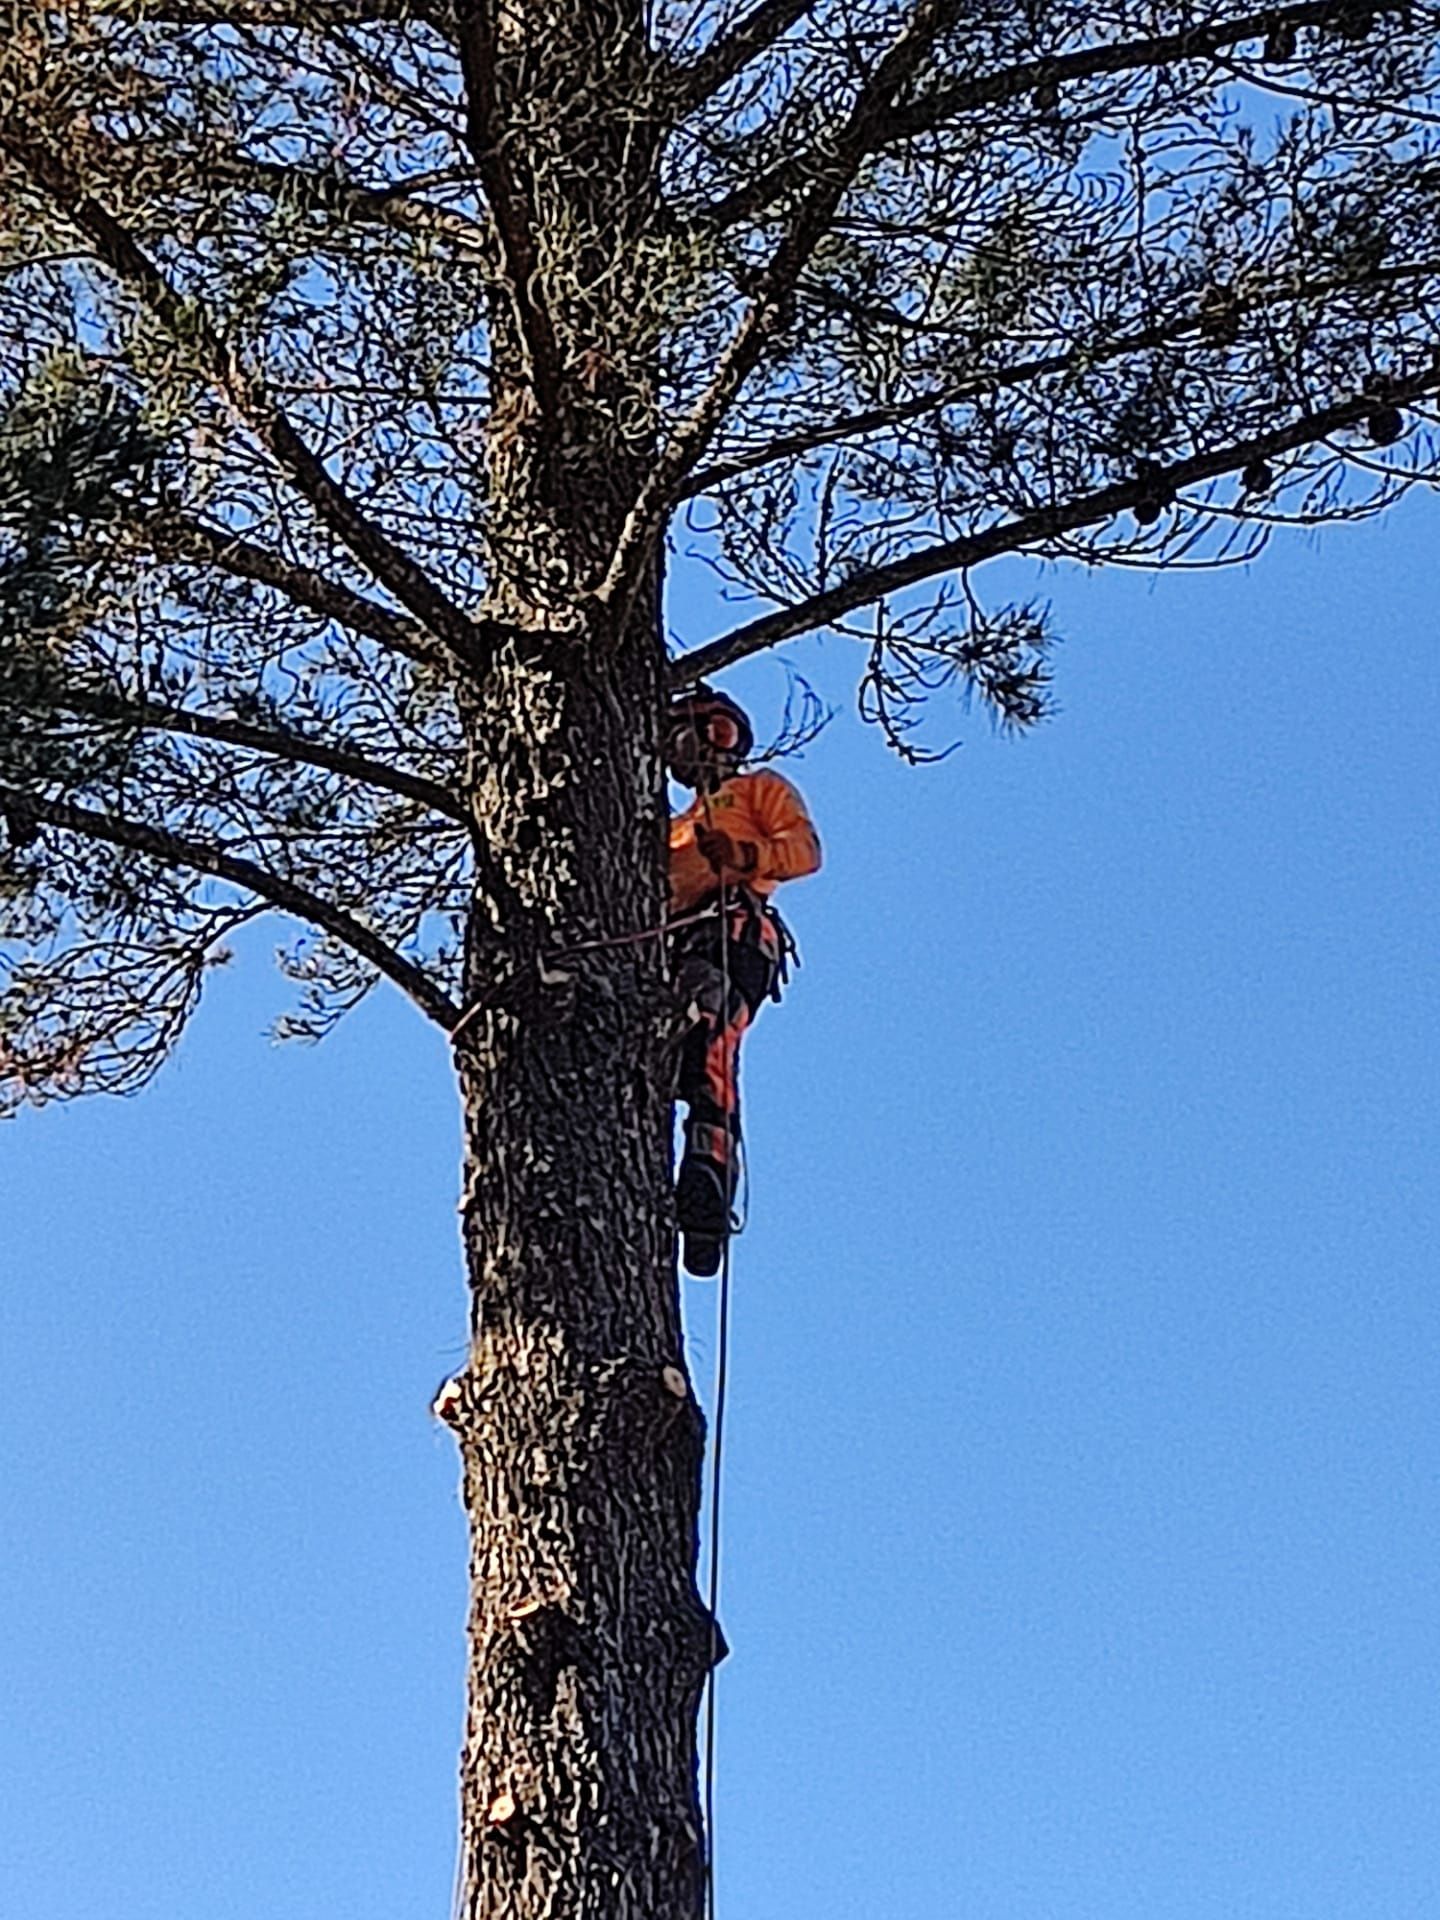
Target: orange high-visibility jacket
[759, 809]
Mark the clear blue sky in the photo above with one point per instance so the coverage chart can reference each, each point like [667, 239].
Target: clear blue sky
[1083, 1463]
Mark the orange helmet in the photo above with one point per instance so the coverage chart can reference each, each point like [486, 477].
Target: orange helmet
[717, 719]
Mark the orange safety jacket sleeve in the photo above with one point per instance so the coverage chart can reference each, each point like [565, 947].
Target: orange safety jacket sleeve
[780, 828]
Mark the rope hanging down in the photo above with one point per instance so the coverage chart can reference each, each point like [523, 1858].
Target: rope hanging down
[721, 1361]
[722, 1356]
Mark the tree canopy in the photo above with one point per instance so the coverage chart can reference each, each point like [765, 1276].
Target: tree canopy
[301, 304]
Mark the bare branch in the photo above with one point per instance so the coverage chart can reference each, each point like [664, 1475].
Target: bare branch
[1028, 530]
[283, 743]
[372, 547]
[306, 16]
[773, 295]
[176, 850]
[509, 206]
[188, 540]
[903, 122]
[1088, 353]
[390, 206]
[766, 22]
[273, 741]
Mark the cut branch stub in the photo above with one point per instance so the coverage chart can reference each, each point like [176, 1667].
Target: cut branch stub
[448, 1406]
[501, 1810]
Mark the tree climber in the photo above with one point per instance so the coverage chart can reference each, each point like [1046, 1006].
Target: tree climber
[732, 846]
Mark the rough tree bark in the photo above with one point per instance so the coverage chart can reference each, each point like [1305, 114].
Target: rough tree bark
[581, 1440]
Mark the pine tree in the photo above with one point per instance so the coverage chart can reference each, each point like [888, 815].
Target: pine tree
[357, 358]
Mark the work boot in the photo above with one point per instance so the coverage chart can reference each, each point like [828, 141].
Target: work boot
[701, 1254]
[702, 1209]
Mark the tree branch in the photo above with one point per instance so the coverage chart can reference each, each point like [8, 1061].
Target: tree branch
[372, 547]
[1005, 379]
[274, 742]
[1012, 83]
[186, 540]
[771, 303]
[766, 22]
[175, 850]
[1028, 530]
[309, 16]
[372, 206]
[487, 139]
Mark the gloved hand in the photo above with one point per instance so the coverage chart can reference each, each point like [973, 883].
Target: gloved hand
[724, 854]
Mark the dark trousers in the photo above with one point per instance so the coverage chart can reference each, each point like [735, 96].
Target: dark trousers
[726, 964]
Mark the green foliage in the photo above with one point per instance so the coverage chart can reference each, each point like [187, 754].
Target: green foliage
[74, 451]
[322, 336]
[75, 458]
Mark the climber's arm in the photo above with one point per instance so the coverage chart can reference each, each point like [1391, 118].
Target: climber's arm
[789, 846]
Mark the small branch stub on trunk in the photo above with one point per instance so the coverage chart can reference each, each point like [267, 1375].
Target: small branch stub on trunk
[448, 1406]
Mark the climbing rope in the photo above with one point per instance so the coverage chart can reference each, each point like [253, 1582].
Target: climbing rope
[717, 1448]
[661, 931]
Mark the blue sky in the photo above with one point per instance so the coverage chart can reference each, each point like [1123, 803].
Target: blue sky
[1082, 1452]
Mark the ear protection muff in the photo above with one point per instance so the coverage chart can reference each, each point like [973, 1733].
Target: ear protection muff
[716, 720]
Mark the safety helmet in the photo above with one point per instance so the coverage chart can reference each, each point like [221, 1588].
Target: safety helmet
[717, 719]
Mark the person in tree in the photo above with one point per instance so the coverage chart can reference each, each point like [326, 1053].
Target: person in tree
[741, 835]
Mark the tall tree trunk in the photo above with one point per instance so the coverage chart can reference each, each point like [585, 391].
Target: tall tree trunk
[580, 1436]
